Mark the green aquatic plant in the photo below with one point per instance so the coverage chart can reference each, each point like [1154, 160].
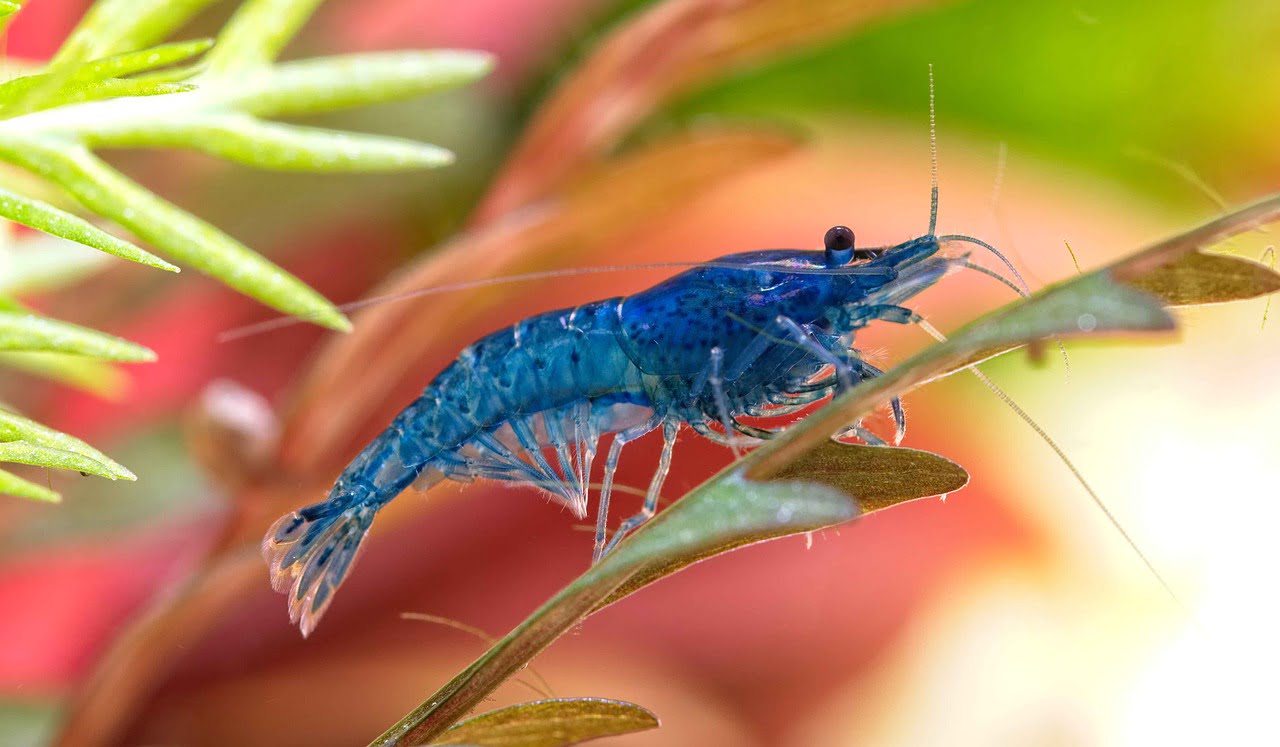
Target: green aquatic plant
[113, 84]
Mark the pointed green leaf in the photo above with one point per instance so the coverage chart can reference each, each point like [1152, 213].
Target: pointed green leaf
[102, 79]
[113, 27]
[551, 723]
[9, 7]
[20, 331]
[143, 60]
[14, 427]
[11, 484]
[174, 74]
[257, 32]
[45, 217]
[76, 92]
[86, 374]
[107, 192]
[285, 147]
[341, 82]
[21, 452]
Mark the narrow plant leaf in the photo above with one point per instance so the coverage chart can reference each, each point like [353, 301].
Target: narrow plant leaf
[340, 82]
[109, 27]
[144, 60]
[112, 27]
[14, 427]
[19, 331]
[101, 78]
[77, 92]
[107, 192]
[1089, 304]
[551, 723]
[725, 511]
[11, 484]
[877, 477]
[86, 374]
[1200, 278]
[21, 452]
[45, 217]
[270, 145]
[257, 32]
[174, 74]
[9, 7]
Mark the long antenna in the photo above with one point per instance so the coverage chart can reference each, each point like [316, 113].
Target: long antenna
[933, 159]
[1075, 472]
[281, 322]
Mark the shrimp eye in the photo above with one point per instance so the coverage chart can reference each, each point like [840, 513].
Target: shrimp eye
[839, 245]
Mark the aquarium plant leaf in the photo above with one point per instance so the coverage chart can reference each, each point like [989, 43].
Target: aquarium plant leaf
[550, 723]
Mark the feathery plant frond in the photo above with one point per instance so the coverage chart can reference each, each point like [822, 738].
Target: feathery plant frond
[116, 83]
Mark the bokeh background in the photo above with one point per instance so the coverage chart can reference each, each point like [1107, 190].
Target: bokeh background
[1009, 613]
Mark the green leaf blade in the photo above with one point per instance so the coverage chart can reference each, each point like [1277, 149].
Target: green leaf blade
[112, 27]
[551, 723]
[268, 145]
[178, 233]
[21, 452]
[28, 332]
[49, 219]
[257, 33]
[114, 88]
[340, 82]
[11, 484]
[14, 427]
[86, 374]
[143, 60]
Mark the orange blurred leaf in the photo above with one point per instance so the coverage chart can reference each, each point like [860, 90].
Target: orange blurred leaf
[668, 49]
[550, 723]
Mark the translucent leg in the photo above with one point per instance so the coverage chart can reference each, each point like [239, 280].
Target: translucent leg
[806, 340]
[899, 416]
[611, 466]
[722, 402]
[669, 430]
[555, 484]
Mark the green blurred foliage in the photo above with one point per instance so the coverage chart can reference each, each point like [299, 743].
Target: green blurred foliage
[1107, 86]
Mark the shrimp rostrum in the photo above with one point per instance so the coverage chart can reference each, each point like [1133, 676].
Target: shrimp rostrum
[759, 335]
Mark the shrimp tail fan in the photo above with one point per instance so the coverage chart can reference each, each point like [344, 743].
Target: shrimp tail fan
[310, 551]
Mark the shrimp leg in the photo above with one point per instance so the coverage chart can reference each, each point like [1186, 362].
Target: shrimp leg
[722, 402]
[611, 466]
[669, 430]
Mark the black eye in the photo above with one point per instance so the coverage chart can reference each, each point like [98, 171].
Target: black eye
[838, 239]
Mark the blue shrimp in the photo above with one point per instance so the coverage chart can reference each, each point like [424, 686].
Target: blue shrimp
[761, 334]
